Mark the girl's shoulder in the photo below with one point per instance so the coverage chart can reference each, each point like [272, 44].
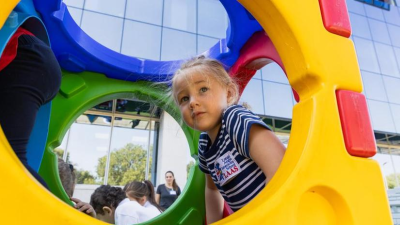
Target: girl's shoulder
[235, 110]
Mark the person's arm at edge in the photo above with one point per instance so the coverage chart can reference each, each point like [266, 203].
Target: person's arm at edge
[158, 195]
[267, 156]
[84, 207]
[214, 201]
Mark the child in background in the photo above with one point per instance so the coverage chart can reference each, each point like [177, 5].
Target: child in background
[238, 152]
[68, 181]
[142, 206]
[105, 200]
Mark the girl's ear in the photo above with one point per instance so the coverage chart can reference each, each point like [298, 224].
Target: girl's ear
[231, 94]
[107, 210]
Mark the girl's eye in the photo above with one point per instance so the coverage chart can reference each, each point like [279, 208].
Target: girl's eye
[203, 89]
[184, 99]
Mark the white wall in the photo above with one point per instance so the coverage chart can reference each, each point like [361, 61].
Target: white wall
[173, 151]
[84, 191]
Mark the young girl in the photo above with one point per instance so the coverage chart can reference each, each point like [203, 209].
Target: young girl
[142, 205]
[238, 152]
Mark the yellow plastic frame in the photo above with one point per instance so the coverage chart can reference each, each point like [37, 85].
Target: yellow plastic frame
[318, 181]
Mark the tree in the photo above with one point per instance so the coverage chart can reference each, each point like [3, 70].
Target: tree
[60, 153]
[84, 177]
[391, 180]
[126, 164]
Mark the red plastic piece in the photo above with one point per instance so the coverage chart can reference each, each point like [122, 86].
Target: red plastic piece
[256, 53]
[335, 17]
[227, 210]
[356, 125]
[225, 213]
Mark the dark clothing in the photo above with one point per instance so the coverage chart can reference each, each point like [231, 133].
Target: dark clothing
[167, 195]
[31, 80]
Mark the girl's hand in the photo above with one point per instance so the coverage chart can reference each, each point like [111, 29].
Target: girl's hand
[84, 207]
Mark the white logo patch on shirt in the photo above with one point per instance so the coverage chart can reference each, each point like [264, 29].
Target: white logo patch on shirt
[226, 168]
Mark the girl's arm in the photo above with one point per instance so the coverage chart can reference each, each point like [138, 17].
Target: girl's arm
[214, 201]
[266, 150]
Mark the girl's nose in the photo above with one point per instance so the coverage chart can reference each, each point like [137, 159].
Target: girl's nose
[193, 103]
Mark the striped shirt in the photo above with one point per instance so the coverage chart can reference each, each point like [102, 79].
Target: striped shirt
[228, 160]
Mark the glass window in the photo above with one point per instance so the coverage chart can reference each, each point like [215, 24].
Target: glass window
[109, 24]
[386, 165]
[212, 18]
[128, 155]
[141, 40]
[115, 146]
[397, 54]
[149, 11]
[258, 74]
[273, 72]
[355, 7]
[359, 26]
[277, 100]
[392, 89]
[396, 117]
[387, 60]
[396, 165]
[177, 45]
[374, 88]
[88, 141]
[374, 12]
[114, 7]
[392, 16]
[76, 14]
[205, 43]
[104, 106]
[381, 116]
[74, 3]
[180, 14]
[379, 31]
[253, 96]
[366, 55]
[137, 108]
[394, 32]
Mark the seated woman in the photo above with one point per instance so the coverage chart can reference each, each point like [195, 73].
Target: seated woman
[142, 205]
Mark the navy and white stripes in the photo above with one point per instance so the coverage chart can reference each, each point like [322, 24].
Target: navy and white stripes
[233, 143]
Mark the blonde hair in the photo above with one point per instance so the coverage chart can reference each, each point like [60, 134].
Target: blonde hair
[210, 67]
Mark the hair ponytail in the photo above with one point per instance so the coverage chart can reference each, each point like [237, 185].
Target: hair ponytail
[151, 195]
[138, 190]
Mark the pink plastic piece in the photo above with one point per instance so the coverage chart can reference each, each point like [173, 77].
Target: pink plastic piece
[256, 53]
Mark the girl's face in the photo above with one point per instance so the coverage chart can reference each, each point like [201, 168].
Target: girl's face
[201, 100]
[169, 178]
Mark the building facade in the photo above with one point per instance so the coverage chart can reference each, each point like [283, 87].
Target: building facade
[180, 29]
